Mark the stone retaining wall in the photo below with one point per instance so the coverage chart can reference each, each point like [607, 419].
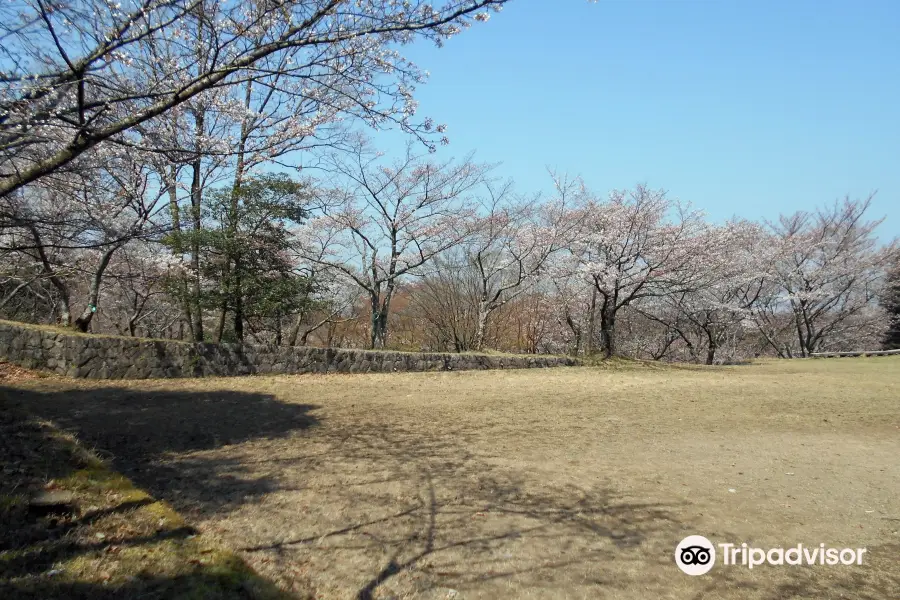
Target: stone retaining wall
[112, 357]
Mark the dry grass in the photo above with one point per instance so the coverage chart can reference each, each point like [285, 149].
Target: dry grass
[559, 483]
[109, 540]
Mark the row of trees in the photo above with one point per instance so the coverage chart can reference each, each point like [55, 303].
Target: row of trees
[419, 254]
[126, 125]
[194, 169]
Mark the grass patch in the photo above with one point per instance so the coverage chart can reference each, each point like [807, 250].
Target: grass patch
[111, 540]
[59, 329]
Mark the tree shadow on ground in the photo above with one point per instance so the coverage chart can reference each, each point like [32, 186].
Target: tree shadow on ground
[370, 505]
[139, 431]
[377, 509]
[360, 508]
[102, 538]
[387, 511]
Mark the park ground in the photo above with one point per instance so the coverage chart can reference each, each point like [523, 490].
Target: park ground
[556, 483]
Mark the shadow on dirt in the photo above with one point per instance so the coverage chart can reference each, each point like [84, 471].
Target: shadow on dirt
[138, 431]
[98, 529]
[363, 506]
[394, 512]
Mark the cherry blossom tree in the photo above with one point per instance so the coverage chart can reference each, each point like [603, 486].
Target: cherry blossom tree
[71, 225]
[379, 222]
[891, 303]
[25, 292]
[731, 263]
[81, 73]
[574, 301]
[330, 303]
[514, 239]
[637, 244]
[134, 295]
[831, 271]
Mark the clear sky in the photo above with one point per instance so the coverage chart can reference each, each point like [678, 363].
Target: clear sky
[743, 107]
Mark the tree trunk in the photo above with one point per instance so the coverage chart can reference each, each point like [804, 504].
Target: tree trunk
[380, 308]
[234, 206]
[65, 312]
[608, 331]
[238, 302]
[178, 248]
[484, 312]
[711, 351]
[799, 317]
[136, 307]
[592, 324]
[576, 330]
[379, 329]
[84, 321]
[196, 215]
[690, 346]
[295, 330]
[220, 326]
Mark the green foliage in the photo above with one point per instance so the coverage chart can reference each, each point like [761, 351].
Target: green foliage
[245, 247]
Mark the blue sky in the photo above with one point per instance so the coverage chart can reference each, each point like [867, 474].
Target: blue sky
[743, 107]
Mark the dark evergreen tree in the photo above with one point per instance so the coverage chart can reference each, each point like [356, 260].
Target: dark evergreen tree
[247, 265]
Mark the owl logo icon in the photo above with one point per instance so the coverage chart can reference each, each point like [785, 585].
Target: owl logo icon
[695, 555]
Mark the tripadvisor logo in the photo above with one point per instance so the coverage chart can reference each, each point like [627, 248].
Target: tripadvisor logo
[696, 555]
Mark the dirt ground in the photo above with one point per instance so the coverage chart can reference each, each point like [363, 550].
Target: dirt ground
[560, 483]
[71, 528]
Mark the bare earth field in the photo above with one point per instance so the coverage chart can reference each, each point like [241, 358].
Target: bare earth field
[561, 483]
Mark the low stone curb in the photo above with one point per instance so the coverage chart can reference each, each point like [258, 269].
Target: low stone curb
[112, 357]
